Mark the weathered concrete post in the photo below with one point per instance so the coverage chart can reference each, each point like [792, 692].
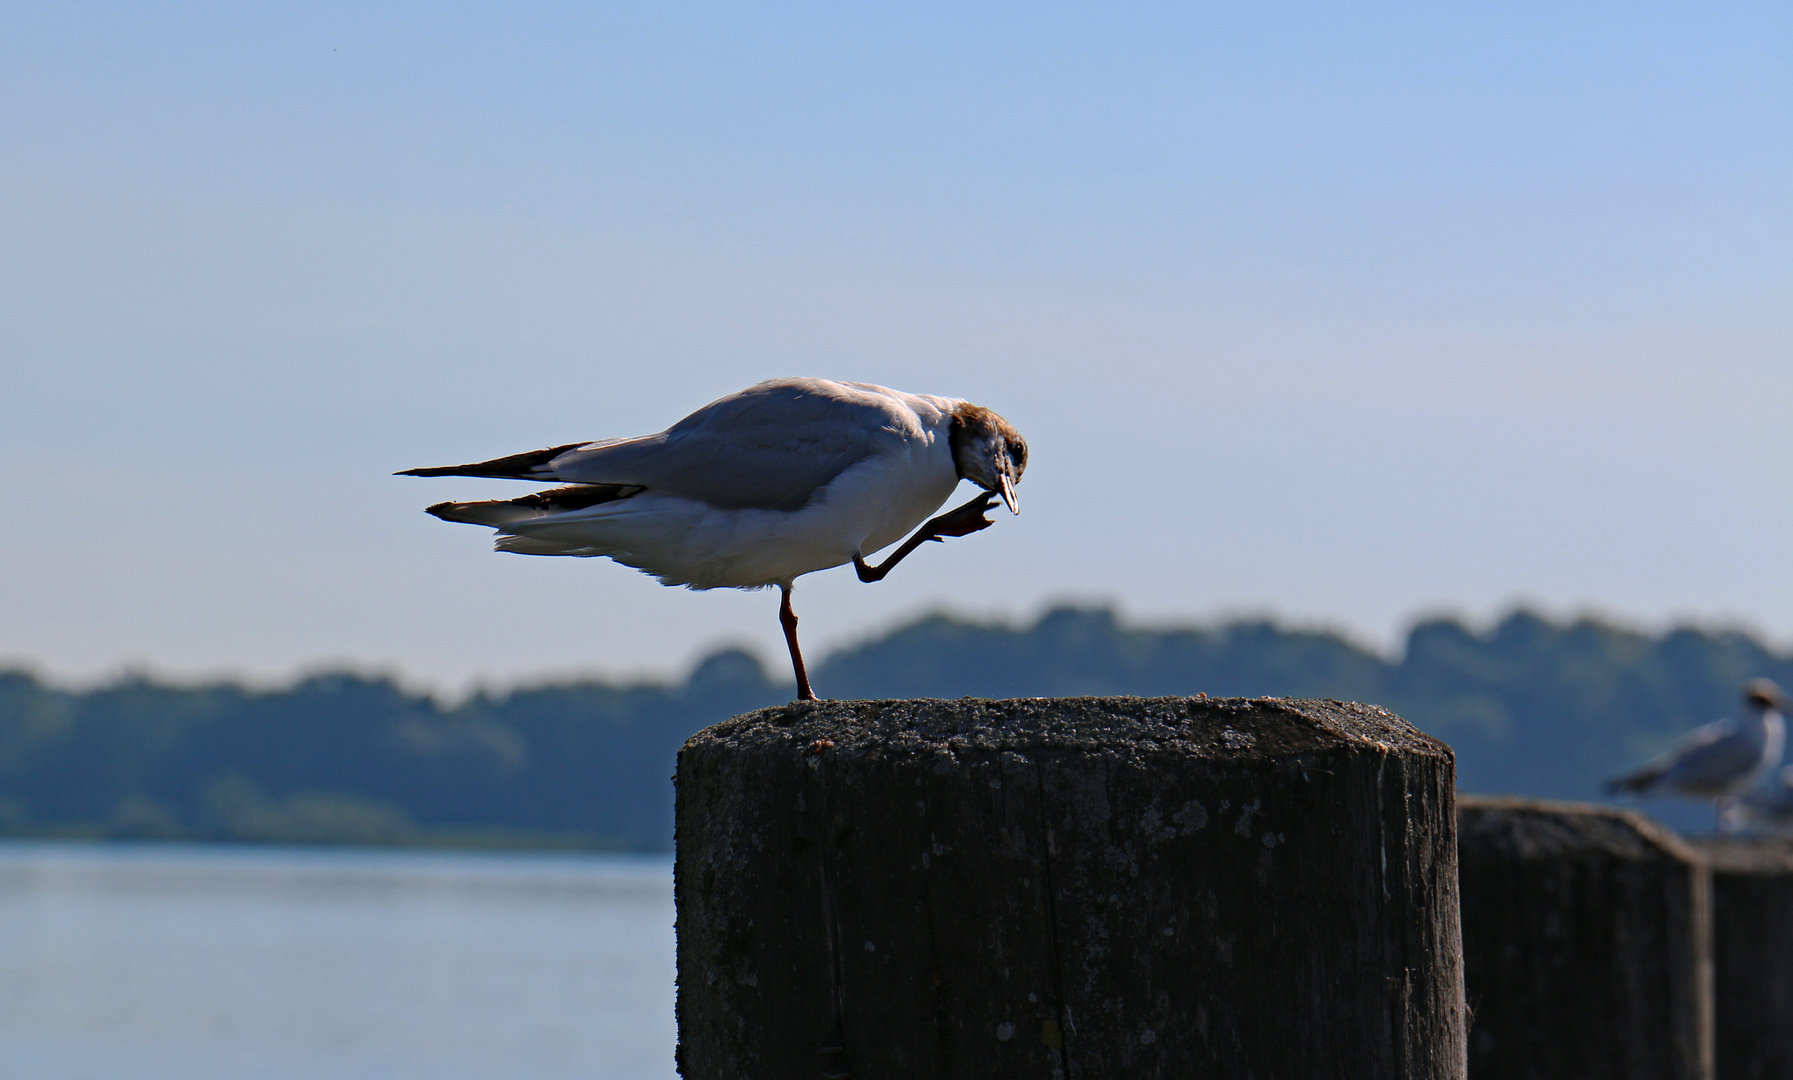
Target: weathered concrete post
[1752, 955]
[1083, 887]
[1586, 944]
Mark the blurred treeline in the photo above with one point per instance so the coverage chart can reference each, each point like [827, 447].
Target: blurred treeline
[1531, 706]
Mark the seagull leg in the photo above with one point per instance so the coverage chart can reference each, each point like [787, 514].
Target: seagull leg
[959, 521]
[788, 619]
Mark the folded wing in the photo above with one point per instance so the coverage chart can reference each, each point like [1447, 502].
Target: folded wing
[1712, 760]
[769, 447]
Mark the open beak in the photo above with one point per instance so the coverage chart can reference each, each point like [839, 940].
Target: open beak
[1008, 495]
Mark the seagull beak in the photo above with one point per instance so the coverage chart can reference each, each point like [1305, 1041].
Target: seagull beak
[1008, 496]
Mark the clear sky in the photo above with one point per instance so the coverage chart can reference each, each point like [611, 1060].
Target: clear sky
[1346, 313]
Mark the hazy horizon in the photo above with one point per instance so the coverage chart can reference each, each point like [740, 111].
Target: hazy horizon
[776, 664]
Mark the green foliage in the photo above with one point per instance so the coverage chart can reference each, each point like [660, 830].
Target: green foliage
[1531, 706]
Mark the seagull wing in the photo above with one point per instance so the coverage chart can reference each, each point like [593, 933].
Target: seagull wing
[1711, 760]
[769, 447]
[1715, 760]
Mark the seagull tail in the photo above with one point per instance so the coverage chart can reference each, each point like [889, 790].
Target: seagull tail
[515, 467]
[503, 512]
[1636, 782]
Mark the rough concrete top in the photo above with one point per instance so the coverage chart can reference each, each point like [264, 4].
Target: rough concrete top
[1768, 856]
[1207, 727]
[1541, 829]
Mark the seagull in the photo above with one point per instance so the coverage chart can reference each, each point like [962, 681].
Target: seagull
[1723, 759]
[782, 479]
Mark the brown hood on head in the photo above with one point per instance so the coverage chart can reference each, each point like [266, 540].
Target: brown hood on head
[1763, 693]
[988, 451]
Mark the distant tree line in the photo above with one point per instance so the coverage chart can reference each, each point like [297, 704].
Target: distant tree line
[1531, 707]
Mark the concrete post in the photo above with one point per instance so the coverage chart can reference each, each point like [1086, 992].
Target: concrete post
[1085, 887]
[1752, 955]
[1586, 944]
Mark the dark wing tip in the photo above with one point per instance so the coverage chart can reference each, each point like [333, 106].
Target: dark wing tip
[500, 512]
[1636, 782]
[514, 467]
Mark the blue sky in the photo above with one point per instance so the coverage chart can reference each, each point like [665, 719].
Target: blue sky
[1342, 314]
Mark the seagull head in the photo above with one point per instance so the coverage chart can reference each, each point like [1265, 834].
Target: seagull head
[1764, 694]
[989, 452]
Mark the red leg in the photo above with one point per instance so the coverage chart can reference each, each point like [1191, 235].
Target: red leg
[788, 619]
[959, 521]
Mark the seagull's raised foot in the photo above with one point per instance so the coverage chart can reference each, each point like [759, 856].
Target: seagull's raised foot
[960, 521]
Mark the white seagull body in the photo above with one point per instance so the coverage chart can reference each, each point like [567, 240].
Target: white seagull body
[1723, 759]
[1769, 806]
[782, 479]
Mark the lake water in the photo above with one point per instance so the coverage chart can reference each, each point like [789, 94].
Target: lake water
[169, 962]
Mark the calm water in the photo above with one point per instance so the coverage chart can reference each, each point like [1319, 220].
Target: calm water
[217, 963]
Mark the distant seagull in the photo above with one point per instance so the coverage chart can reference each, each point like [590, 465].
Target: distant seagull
[780, 480]
[1723, 759]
